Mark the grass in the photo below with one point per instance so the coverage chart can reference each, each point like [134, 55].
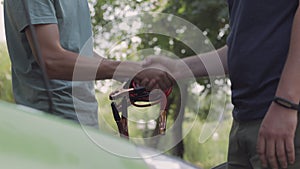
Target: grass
[207, 155]
[213, 151]
[5, 75]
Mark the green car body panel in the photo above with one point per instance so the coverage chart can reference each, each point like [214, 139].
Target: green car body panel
[30, 139]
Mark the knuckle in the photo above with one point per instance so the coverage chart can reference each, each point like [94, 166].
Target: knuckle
[261, 133]
[264, 133]
[271, 158]
[289, 135]
[156, 80]
[270, 134]
[162, 74]
[281, 156]
[289, 150]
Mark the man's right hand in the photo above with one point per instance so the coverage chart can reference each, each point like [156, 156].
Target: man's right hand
[155, 76]
[171, 66]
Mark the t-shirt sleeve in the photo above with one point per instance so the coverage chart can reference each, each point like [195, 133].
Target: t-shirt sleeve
[40, 12]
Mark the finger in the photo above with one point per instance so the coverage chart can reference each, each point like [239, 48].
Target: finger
[144, 82]
[150, 85]
[270, 152]
[163, 83]
[137, 81]
[161, 79]
[280, 153]
[169, 80]
[290, 150]
[261, 151]
[156, 86]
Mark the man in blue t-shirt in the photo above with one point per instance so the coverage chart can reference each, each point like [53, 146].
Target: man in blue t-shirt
[262, 59]
[63, 30]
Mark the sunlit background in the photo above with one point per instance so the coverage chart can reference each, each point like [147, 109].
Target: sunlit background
[2, 34]
[209, 15]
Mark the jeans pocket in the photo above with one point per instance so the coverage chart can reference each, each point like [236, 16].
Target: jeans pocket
[255, 162]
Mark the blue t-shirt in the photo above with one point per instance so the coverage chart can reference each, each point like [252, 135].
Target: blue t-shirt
[258, 47]
[74, 23]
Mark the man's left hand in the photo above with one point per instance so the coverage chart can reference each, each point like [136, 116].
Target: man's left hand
[275, 142]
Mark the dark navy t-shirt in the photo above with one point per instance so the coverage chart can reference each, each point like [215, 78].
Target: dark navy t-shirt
[258, 47]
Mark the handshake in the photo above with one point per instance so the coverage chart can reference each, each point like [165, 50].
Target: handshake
[160, 72]
[156, 72]
[152, 73]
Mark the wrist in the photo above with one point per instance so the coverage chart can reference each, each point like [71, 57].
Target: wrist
[106, 69]
[289, 95]
[130, 69]
[288, 104]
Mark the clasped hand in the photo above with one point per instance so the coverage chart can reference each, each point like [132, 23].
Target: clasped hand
[156, 73]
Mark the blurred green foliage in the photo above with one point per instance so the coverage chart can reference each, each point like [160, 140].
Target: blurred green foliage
[205, 155]
[211, 17]
[5, 75]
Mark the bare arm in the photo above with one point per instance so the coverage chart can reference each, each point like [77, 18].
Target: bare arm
[60, 63]
[277, 132]
[212, 63]
[209, 61]
[289, 86]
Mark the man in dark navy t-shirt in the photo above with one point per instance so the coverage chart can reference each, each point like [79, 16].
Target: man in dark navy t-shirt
[264, 64]
[262, 58]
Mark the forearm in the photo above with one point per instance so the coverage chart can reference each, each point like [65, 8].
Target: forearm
[277, 132]
[66, 65]
[289, 85]
[117, 70]
[207, 64]
[63, 64]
